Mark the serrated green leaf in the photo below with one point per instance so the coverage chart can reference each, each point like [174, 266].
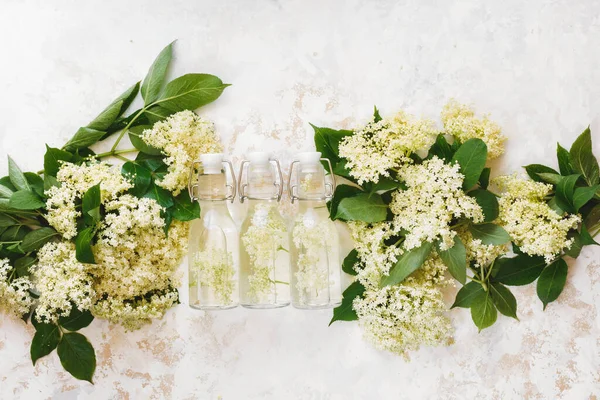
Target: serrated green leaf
[376, 115]
[37, 238]
[341, 192]
[76, 319]
[362, 207]
[441, 149]
[582, 195]
[484, 178]
[185, 209]
[17, 178]
[455, 259]
[483, 311]
[92, 199]
[490, 234]
[583, 160]
[162, 196]
[327, 142]
[22, 265]
[550, 177]
[518, 271]
[552, 281]
[84, 137]
[25, 200]
[140, 176]
[77, 356]
[83, 246]
[191, 91]
[488, 203]
[44, 341]
[138, 143]
[155, 77]
[408, 263]
[7, 220]
[471, 156]
[14, 233]
[106, 118]
[565, 190]
[36, 183]
[466, 294]
[345, 312]
[564, 161]
[349, 262]
[5, 192]
[533, 170]
[504, 300]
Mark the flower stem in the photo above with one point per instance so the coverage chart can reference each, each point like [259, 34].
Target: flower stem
[126, 128]
[115, 153]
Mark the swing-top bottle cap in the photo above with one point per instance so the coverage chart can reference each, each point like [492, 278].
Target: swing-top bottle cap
[212, 163]
[309, 161]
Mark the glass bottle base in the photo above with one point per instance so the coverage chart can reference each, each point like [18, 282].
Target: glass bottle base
[264, 306]
[213, 307]
[301, 306]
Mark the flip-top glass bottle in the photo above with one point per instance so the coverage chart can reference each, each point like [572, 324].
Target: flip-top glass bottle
[264, 247]
[314, 248]
[213, 257]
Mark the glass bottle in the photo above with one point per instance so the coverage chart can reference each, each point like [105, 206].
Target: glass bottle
[213, 255]
[264, 240]
[314, 248]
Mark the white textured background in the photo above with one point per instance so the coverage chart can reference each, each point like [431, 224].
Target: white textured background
[535, 66]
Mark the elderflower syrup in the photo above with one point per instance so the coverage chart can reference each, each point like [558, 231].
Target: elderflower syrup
[213, 257]
[264, 253]
[314, 247]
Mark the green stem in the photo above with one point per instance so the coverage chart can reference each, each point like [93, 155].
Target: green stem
[490, 268]
[280, 282]
[282, 249]
[126, 128]
[115, 152]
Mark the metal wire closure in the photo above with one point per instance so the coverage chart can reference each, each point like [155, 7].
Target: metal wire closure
[193, 187]
[278, 185]
[292, 188]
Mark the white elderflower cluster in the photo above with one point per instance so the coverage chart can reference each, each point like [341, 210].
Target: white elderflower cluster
[433, 198]
[459, 120]
[75, 180]
[477, 252]
[133, 314]
[311, 238]
[404, 317]
[380, 146]
[134, 256]
[213, 269]
[182, 138]
[14, 292]
[531, 223]
[262, 240]
[63, 282]
[376, 258]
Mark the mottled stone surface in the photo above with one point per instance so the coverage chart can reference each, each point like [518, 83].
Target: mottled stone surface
[534, 66]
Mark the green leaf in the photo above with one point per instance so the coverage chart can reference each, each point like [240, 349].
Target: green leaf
[575, 249]
[36, 183]
[565, 190]
[349, 262]
[376, 115]
[77, 356]
[408, 263]
[185, 209]
[162, 196]
[466, 294]
[345, 312]
[6, 220]
[586, 238]
[488, 203]
[341, 192]
[155, 77]
[327, 141]
[138, 143]
[583, 160]
[518, 271]
[552, 281]
[593, 216]
[44, 341]
[83, 246]
[490, 234]
[484, 178]
[564, 161]
[441, 149]
[37, 238]
[156, 113]
[17, 178]
[483, 311]
[76, 320]
[533, 170]
[553, 204]
[549, 177]
[471, 156]
[22, 265]
[5, 192]
[191, 91]
[106, 118]
[14, 233]
[25, 200]
[92, 199]
[84, 137]
[385, 185]
[362, 207]
[582, 195]
[140, 176]
[455, 259]
[504, 300]
[50, 181]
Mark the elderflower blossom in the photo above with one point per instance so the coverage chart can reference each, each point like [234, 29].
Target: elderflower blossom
[459, 120]
[63, 282]
[311, 239]
[134, 313]
[14, 293]
[213, 269]
[380, 146]
[531, 223]
[74, 181]
[134, 255]
[376, 259]
[182, 137]
[477, 252]
[262, 241]
[433, 198]
[404, 317]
